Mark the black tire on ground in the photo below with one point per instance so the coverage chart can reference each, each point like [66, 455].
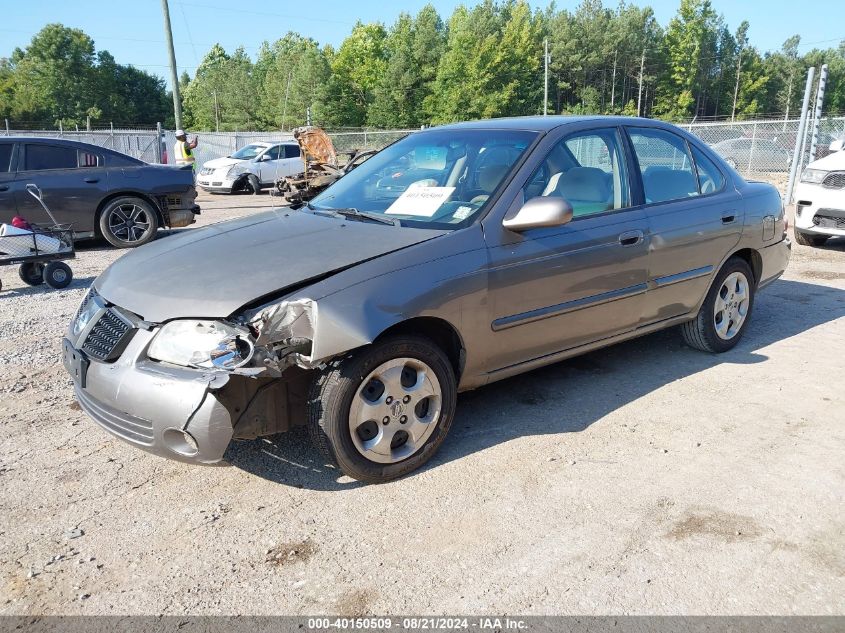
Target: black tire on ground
[254, 184]
[334, 388]
[58, 275]
[808, 239]
[128, 222]
[700, 333]
[32, 274]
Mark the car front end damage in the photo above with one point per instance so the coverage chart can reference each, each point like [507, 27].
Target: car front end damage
[193, 385]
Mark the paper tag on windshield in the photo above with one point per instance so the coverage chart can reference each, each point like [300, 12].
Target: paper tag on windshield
[420, 201]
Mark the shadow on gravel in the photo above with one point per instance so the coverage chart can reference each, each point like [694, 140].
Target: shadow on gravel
[28, 291]
[569, 396]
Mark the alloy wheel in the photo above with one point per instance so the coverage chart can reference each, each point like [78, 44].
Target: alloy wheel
[731, 306]
[395, 410]
[129, 222]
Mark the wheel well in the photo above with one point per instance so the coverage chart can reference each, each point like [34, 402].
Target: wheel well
[441, 332]
[753, 259]
[125, 194]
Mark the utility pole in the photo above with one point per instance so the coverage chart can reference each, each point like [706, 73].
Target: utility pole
[285, 107]
[546, 60]
[216, 113]
[640, 95]
[736, 86]
[174, 75]
[613, 83]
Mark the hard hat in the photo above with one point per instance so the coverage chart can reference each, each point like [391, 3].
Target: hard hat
[180, 132]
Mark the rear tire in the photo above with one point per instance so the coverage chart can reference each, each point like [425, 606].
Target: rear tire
[32, 274]
[808, 239]
[58, 275]
[724, 315]
[336, 396]
[128, 222]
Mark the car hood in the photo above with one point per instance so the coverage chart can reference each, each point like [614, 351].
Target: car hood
[226, 161]
[831, 162]
[215, 270]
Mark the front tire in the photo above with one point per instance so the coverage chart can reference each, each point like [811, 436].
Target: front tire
[253, 184]
[128, 222]
[808, 239]
[384, 410]
[724, 315]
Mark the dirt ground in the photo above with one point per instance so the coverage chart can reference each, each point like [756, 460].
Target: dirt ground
[643, 478]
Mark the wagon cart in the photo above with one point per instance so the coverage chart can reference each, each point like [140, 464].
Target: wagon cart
[39, 251]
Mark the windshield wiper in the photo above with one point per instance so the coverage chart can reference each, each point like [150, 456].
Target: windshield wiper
[355, 213]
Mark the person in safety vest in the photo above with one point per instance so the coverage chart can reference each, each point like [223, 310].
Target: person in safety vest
[183, 153]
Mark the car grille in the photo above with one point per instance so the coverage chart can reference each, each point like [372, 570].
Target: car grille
[834, 180]
[109, 336]
[206, 171]
[127, 426]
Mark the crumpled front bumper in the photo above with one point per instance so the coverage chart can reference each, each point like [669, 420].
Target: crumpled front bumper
[166, 402]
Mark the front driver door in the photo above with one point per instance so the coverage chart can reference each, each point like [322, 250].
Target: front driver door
[269, 165]
[558, 288]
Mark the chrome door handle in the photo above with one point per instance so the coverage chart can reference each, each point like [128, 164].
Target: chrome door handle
[631, 238]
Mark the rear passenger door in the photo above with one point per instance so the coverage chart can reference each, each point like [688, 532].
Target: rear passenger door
[73, 182]
[293, 160]
[695, 219]
[7, 175]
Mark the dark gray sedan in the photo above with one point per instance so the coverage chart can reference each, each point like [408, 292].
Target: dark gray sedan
[100, 192]
[456, 257]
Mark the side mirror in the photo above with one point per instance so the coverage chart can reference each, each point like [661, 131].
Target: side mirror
[262, 158]
[539, 212]
[838, 145]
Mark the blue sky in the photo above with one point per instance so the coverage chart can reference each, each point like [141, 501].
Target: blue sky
[133, 31]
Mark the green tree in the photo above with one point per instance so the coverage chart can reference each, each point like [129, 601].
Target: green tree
[355, 71]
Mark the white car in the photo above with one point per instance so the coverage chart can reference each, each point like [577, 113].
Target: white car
[820, 200]
[251, 168]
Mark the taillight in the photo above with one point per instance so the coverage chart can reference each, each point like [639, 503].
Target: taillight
[785, 223]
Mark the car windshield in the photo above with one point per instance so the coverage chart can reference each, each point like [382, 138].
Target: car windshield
[249, 151]
[431, 179]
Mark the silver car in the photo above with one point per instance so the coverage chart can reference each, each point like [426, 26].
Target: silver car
[456, 257]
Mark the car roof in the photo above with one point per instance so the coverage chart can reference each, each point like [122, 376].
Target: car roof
[66, 142]
[548, 123]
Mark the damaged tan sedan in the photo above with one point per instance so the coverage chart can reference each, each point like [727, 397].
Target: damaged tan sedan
[456, 257]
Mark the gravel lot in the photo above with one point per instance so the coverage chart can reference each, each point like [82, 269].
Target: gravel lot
[644, 478]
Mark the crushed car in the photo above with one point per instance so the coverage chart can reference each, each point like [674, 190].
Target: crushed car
[456, 257]
[320, 166]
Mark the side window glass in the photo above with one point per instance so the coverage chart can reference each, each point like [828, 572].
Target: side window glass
[588, 170]
[274, 152]
[710, 179]
[5, 157]
[291, 151]
[41, 157]
[665, 164]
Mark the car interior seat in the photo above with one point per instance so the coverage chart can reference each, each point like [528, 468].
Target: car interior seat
[587, 189]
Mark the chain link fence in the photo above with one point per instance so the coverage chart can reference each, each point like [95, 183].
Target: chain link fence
[760, 149]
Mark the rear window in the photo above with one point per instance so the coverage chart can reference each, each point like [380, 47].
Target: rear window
[43, 157]
[291, 151]
[5, 157]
